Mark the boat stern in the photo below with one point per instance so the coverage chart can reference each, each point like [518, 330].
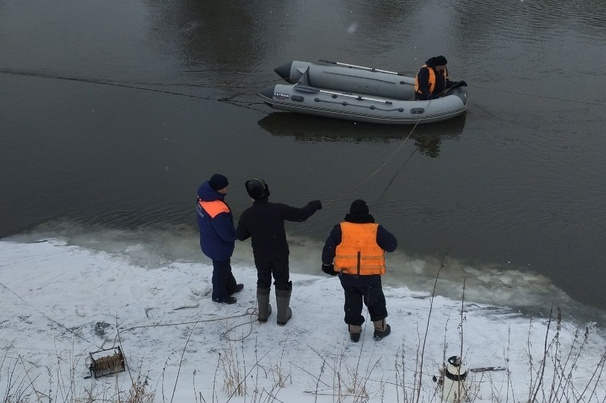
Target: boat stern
[460, 92]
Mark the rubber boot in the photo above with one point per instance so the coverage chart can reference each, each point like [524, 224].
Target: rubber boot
[354, 332]
[382, 329]
[263, 303]
[284, 311]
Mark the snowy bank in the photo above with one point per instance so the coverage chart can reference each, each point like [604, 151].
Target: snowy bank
[61, 302]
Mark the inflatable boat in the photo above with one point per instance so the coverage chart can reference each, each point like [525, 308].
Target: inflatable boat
[358, 93]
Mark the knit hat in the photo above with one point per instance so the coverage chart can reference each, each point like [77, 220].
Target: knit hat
[257, 189]
[359, 213]
[359, 207]
[218, 182]
[439, 61]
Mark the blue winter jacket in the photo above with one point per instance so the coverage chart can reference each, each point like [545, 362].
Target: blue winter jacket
[217, 232]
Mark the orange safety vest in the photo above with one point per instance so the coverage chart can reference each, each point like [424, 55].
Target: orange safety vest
[432, 79]
[213, 208]
[358, 252]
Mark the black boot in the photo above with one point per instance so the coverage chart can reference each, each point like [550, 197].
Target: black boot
[354, 332]
[263, 303]
[382, 329]
[283, 301]
[237, 288]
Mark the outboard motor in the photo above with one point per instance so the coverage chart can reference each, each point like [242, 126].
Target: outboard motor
[453, 381]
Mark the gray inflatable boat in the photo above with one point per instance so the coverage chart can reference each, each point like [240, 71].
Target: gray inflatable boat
[358, 93]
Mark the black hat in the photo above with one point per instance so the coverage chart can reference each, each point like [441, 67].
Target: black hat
[439, 61]
[218, 182]
[359, 213]
[257, 189]
[359, 207]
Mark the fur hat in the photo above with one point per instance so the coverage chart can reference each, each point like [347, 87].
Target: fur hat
[218, 182]
[257, 189]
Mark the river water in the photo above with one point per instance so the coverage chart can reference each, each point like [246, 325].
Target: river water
[113, 112]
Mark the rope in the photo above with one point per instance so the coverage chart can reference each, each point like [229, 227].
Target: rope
[46, 316]
[140, 85]
[376, 171]
[539, 96]
[250, 312]
[396, 174]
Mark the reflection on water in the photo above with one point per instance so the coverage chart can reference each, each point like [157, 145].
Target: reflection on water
[315, 128]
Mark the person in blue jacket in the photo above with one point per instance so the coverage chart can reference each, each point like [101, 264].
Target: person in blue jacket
[217, 236]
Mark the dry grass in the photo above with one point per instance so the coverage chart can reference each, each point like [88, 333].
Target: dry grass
[259, 380]
[550, 377]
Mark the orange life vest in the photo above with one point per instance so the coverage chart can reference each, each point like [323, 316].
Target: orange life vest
[213, 208]
[358, 252]
[432, 79]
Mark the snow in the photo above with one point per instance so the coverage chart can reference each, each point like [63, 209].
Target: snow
[62, 302]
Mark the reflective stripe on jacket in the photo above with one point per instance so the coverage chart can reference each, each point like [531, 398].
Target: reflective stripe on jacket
[213, 208]
[358, 252]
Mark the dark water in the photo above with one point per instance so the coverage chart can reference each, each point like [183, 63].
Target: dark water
[112, 113]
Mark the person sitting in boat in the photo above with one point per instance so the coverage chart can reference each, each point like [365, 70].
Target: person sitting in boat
[432, 79]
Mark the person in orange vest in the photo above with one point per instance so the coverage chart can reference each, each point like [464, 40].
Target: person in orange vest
[355, 251]
[218, 236]
[432, 79]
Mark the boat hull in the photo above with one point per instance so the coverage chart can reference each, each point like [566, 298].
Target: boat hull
[361, 107]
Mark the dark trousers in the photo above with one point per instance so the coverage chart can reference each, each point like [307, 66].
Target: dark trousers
[224, 283]
[278, 268]
[365, 290]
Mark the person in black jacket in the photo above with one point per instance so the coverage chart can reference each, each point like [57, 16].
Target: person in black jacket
[263, 222]
[355, 251]
[432, 79]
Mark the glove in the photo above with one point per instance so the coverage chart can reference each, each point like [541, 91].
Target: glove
[329, 269]
[462, 83]
[317, 204]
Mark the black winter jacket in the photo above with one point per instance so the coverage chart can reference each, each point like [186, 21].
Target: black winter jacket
[264, 222]
[442, 82]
